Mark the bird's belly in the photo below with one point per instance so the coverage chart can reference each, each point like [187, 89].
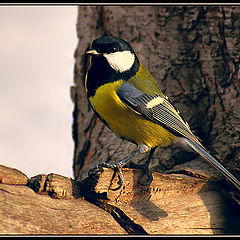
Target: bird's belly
[125, 122]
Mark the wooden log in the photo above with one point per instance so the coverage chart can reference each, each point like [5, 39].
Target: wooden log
[22, 211]
[172, 204]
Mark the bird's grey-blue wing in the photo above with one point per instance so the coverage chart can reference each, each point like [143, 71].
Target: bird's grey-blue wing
[156, 108]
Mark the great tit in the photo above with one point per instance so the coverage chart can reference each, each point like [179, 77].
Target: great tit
[125, 96]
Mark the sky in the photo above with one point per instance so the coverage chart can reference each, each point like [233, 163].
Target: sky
[37, 46]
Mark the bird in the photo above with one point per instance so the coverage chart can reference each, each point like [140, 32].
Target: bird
[127, 99]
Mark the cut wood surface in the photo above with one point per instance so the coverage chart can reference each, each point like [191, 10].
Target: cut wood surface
[172, 204]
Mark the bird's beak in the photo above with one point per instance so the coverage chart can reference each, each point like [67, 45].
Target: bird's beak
[93, 52]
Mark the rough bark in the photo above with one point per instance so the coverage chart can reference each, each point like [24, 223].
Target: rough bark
[193, 53]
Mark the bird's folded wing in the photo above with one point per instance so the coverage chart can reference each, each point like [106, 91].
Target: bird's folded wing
[156, 108]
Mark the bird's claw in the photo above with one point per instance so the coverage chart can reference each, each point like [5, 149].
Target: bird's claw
[99, 169]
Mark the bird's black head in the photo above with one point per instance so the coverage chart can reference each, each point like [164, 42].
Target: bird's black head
[113, 59]
[111, 44]
[117, 52]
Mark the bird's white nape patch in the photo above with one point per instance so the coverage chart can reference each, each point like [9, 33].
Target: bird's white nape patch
[120, 61]
[154, 102]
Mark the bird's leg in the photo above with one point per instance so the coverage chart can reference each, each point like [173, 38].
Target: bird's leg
[118, 166]
[145, 168]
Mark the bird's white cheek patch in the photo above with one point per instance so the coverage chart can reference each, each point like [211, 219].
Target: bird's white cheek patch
[154, 102]
[120, 61]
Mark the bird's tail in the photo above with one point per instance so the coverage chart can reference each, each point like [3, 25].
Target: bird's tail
[210, 159]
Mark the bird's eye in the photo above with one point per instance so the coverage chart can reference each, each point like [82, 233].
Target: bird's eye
[112, 49]
[115, 49]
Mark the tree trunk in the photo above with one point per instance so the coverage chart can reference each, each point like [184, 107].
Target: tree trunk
[193, 53]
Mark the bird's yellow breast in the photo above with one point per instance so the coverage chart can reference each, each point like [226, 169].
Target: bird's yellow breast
[124, 121]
